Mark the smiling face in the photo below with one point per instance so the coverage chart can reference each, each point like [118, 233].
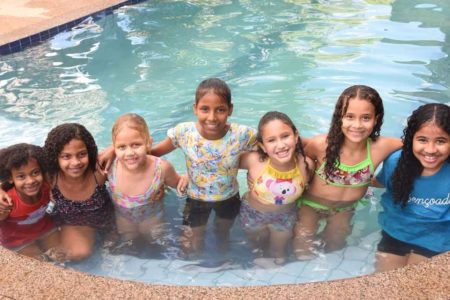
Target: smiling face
[131, 148]
[279, 142]
[212, 113]
[73, 159]
[28, 180]
[431, 146]
[358, 121]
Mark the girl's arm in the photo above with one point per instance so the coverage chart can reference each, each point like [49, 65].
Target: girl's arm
[315, 147]
[385, 146]
[171, 177]
[105, 159]
[163, 147]
[244, 159]
[5, 205]
[375, 183]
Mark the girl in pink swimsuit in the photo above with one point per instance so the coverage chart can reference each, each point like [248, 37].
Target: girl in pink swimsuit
[137, 180]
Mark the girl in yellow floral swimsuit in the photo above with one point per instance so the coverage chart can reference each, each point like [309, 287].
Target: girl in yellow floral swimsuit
[211, 147]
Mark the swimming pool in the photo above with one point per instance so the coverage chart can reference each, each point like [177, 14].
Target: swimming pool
[292, 56]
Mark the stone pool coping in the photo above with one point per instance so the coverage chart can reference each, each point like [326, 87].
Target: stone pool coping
[23, 18]
[24, 278]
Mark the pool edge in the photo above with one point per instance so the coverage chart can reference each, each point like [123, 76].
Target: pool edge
[22, 277]
[32, 32]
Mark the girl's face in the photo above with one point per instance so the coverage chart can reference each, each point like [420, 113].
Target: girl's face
[212, 113]
[431, 146]
[131, 148]
[278, 142]
[28, 180]
[359, 120]
[74, 159]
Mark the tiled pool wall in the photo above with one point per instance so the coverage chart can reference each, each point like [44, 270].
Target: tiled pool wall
[34, 39]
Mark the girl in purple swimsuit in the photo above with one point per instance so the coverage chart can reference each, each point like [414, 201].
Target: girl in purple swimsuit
[82, 205]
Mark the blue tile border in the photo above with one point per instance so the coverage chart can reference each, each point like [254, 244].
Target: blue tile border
[37, 38]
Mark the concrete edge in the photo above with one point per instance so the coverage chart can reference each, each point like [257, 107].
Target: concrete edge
[23, 278]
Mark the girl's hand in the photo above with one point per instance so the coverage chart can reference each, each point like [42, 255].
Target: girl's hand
[105, 159]
[6, 205]
[182, 184]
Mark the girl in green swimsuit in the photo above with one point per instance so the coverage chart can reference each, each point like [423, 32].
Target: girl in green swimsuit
[346, 158]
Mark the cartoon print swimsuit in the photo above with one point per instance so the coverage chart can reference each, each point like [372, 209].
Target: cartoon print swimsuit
[278, 187]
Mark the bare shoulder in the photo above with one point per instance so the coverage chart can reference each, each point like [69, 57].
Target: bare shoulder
[248, 159]
[387, 144]
[165, 165]
[316, 146]
[383, 147]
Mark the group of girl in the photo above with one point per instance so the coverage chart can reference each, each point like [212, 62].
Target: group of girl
[293, 183]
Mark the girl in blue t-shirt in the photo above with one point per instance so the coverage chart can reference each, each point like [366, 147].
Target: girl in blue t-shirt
[415, 220]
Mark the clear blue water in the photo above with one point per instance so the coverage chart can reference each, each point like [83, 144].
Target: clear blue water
[291, 56]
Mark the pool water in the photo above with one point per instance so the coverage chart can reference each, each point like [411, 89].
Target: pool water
[291, 56]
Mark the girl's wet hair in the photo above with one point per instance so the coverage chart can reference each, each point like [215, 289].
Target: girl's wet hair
[272, 116]
[133, 121]
[217, 86]
[60, 136]
[16, 156]
[409, 167]
[336, 137]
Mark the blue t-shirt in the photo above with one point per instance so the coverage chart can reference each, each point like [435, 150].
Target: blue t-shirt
[425, 221]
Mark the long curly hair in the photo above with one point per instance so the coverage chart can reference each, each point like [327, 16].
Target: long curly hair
[16, 156]
[336, 137]
[272, 116]
[409, 167]
[60, 136]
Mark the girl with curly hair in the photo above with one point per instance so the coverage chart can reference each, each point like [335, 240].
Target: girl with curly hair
[415, 220]
[346, 159]
[82, 205]
[24, 226]
[278, 173]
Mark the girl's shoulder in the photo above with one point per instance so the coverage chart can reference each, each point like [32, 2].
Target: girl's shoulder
[382, 147]
[248, 159]
[316, 146]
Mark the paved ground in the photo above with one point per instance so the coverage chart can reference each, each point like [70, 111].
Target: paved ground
[22, 18]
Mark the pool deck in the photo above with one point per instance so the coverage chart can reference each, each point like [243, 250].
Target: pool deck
[24, 278]
[23, 18]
